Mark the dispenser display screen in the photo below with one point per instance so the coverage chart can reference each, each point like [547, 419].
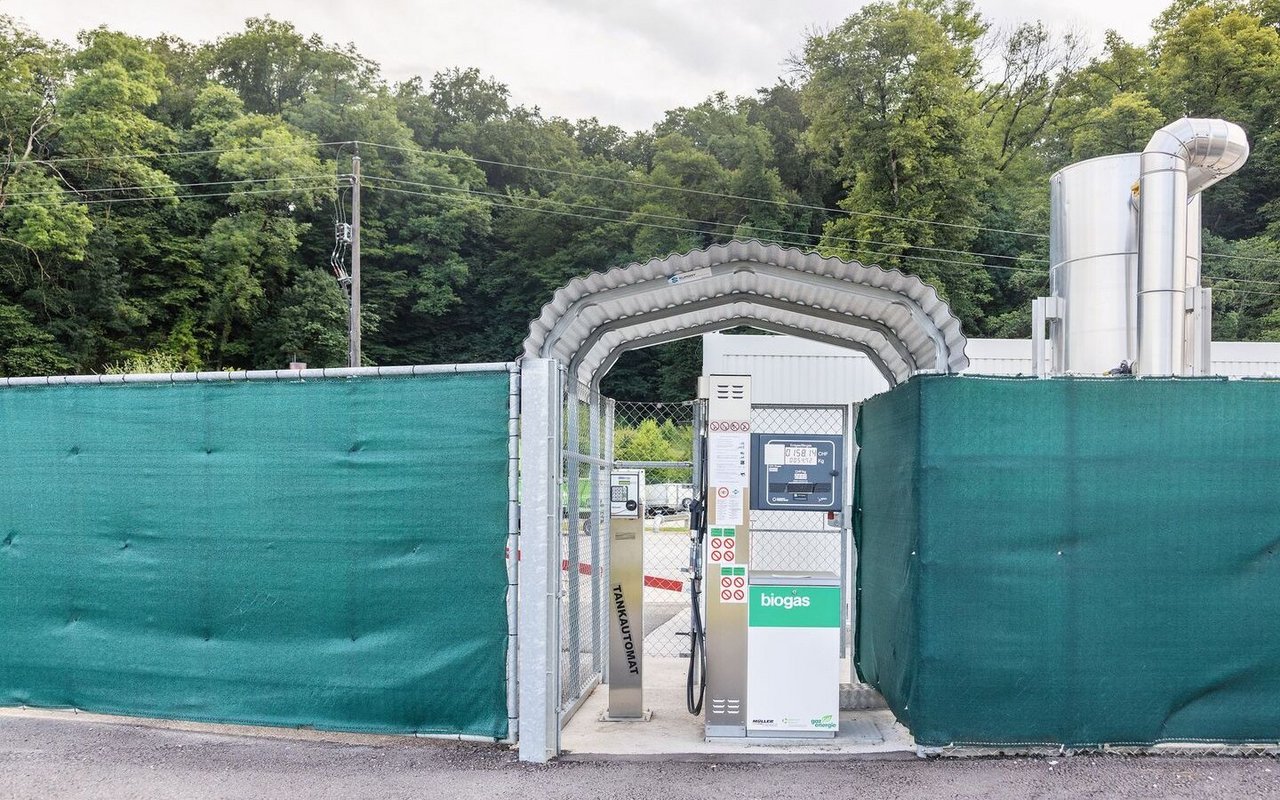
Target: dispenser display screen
[800, 455]
[797, 472]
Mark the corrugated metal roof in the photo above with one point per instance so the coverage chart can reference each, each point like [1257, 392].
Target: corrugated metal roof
[896, 319]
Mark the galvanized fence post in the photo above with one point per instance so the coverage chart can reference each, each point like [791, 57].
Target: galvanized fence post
[573, 467]
[606, 532]
[541, 401]
[513, 554]
[597, 567]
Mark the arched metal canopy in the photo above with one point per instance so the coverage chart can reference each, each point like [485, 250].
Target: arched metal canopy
[896, 319]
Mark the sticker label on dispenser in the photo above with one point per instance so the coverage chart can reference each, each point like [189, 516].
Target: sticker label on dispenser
[729, 505]
[727, 454]
[733, 584]
[721, 548]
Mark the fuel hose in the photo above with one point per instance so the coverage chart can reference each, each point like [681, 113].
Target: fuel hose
[696, 687]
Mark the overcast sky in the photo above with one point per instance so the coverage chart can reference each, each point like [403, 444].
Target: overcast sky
[624, 61]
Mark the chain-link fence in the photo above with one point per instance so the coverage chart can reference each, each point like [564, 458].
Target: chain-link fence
[583, 545]
[658, 438]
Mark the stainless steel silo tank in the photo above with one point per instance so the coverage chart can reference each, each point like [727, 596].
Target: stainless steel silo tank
[1093, 256]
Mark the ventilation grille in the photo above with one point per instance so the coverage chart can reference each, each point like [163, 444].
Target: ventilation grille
[730, 391]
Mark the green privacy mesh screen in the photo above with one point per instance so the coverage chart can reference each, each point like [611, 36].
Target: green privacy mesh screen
[327, 553]
[1072, 561]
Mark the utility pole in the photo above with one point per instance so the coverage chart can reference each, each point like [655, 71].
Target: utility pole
[353, 334]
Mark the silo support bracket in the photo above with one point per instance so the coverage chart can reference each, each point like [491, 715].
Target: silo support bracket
[1044, 310]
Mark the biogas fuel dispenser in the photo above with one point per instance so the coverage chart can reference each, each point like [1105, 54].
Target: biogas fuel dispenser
[766, 662]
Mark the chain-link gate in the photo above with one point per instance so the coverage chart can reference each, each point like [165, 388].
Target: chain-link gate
[599, 434]
[658, 438]
[584, 548]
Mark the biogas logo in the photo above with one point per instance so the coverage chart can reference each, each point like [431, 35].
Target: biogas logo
[783, 601]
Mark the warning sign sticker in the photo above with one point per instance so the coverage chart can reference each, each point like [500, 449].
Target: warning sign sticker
[721, 548]
[729, 505]
[733, 584]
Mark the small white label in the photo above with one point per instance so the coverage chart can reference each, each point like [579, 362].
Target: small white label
[728, 505]
[728, 457]
[774, 453]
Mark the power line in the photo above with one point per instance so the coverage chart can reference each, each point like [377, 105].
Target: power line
[569, 213]
[168, 154]
[569, 173]
[626, 213]
[694, 221]
[682, 229]
[784, 203]
[1254, 259]
[149, 187]
[793, 243]
[622, 219]
[1240, 280]
[1245, 291]
[112, 200]
[706, 193]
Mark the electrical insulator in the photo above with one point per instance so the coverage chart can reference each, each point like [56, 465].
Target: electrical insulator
[342, 232]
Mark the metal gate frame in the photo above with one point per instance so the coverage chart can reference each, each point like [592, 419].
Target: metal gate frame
[583, 630]
[538, 596]
[553, 676]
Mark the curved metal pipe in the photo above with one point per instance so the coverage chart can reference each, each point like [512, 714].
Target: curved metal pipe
[1182, 159]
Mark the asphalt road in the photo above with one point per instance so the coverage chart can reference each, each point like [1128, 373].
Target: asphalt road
[42, 757]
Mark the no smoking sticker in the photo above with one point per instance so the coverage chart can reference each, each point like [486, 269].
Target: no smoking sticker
[731, 576]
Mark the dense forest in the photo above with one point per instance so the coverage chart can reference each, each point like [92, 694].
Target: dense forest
[172, 205]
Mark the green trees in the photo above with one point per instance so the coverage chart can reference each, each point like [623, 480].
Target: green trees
[889, 102]
[650, 441]
[168, 202]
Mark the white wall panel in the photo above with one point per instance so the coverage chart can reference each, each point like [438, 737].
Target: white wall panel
[785, 369]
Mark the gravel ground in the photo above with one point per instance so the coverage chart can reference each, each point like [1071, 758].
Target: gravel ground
[47, 757]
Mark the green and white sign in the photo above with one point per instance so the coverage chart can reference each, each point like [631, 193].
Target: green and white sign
[794, 607]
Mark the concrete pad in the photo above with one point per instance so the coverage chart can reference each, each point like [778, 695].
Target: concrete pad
[672, 733]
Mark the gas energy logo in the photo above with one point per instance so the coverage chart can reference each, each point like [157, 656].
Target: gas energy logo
[783, 601]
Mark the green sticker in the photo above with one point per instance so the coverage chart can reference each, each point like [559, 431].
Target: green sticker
[794, 607]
